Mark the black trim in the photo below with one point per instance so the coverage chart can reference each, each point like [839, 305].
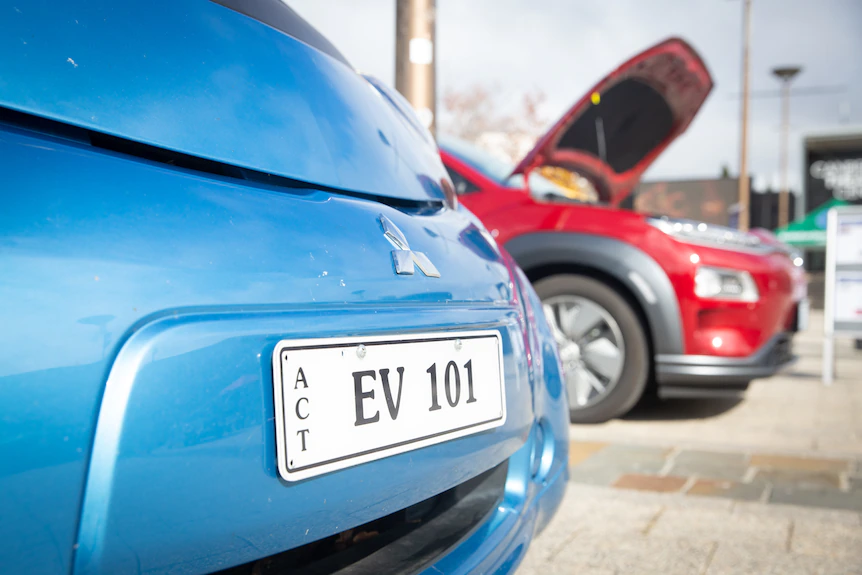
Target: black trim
[543, 249]
[722, 372]
[463, 185]
[727, 391]
[630, 121]
[401, 543]
[276, 14]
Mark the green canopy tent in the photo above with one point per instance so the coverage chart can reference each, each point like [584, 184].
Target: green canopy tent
[810, 231]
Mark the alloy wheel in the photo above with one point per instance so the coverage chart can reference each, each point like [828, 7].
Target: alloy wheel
[591, 347]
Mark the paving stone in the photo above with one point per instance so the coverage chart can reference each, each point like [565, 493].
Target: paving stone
[710, 464]
[800, 479]
[600, 530]
[533, 564]
[839, 567]
[590, 554]
[595, 511]
[581, 450]
[813, 464]
[674, 499]
[604, 515]
[746, 559]
[798, 513]
[831, 498]
[710, 525]
[729, 489]
[633, 458]
[827, 539]
[659, 483]
[598, 475]
[633, 454]
[606, 465]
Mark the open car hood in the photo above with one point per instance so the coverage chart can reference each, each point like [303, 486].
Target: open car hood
[613, 134]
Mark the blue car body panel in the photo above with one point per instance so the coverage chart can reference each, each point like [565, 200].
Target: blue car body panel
[141, 302]
[196, 77]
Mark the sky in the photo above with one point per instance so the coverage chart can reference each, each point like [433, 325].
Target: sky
[563, 47]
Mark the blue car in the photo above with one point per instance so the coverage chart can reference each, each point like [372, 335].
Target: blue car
[244, 325]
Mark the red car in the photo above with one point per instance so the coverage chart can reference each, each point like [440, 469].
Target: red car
[695, 309]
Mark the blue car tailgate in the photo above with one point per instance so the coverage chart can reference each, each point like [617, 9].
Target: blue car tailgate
[142, 304]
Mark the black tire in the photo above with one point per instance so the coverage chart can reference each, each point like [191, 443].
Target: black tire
[636, 363]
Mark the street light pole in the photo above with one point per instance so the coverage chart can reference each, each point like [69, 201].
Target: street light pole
[743, 145]
[415, 48]
[785, 74]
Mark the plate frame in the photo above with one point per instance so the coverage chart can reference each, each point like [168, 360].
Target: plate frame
[308, 472]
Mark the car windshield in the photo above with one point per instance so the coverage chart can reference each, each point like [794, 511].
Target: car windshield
[497, 169]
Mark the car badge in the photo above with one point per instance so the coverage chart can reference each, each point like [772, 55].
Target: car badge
[402, 256]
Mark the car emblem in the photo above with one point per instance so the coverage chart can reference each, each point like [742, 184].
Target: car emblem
[402, 256]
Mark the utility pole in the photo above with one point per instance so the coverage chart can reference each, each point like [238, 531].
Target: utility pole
[415, 50]
[786, 93]
[744, 201]
[785, 74]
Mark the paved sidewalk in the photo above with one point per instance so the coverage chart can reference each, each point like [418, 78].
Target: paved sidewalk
[771, 483]
[602, 530]
[792, 413]
[812, 481]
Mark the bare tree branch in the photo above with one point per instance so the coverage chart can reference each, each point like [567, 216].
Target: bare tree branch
[472, 114]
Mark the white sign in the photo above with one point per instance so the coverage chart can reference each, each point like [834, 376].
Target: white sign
[848, 244]
[842, 310]
[848, 297]
[842, 177]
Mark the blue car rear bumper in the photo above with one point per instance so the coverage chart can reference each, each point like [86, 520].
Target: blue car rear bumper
[499, 544]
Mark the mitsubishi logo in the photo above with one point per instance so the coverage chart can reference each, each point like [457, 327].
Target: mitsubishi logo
[402, 256]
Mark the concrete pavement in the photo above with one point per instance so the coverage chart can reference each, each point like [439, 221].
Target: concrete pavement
[792, 413]
[604, 530]
[768, 484]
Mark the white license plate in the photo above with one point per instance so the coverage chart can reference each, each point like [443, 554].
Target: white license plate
[342, 402]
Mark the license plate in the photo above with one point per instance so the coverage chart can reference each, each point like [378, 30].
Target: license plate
[342, 402]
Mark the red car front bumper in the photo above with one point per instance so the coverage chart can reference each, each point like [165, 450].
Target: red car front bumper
[729, 343]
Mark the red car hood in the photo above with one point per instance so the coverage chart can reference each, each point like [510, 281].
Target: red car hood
[613, 134]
